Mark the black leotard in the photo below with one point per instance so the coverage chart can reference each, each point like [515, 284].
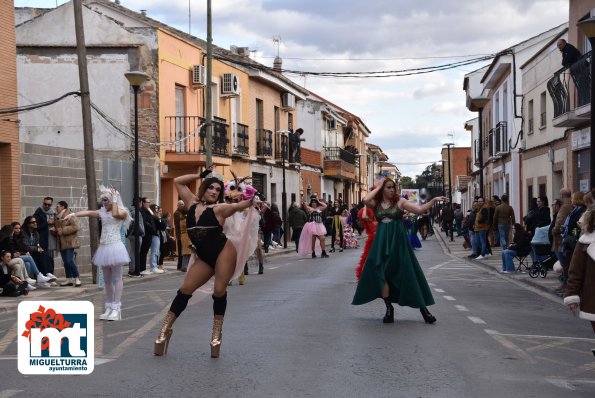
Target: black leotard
[206, 235]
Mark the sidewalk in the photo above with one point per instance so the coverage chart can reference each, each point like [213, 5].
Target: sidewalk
[10, 304]
[494, 263]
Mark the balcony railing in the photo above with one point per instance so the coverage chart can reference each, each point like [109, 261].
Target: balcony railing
[189, 135]
[336, 153]
[240, 132]
[264, 143]
[565, 96]
[501, 137]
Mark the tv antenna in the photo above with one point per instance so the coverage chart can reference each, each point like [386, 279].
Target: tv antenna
[277, 40]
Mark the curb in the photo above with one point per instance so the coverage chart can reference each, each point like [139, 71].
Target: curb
[527, 280]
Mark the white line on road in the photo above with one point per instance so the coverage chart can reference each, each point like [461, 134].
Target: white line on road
[440, 265]
[461, 308]
[449, 298]
[272, 267]
[493, 333]
[476, 320]
[438, 290]
[9, 393]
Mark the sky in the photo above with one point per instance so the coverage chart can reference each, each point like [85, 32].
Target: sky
[410, 117]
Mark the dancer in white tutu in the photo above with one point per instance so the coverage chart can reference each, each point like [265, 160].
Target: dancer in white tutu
[111, 254]
[314, 231]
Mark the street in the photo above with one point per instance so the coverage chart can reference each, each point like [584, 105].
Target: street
[292, 332]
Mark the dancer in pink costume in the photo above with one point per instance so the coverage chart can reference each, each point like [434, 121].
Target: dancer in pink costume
[314, 232]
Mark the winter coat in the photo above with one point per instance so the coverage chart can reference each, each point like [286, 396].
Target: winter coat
[503, 215]
[564, 211]
[69, 238]
[482, 222]
[297, 217]
[581, 277]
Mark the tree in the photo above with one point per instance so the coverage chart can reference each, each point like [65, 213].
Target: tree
[407, 182]
[430, 178]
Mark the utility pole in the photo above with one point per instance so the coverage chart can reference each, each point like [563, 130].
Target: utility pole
[209, 113]
[87, 128]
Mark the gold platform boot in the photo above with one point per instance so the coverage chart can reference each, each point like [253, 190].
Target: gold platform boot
[217, 336]
[162, 341]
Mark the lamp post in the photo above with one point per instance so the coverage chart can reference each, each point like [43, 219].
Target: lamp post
[450, 192]
[359, 176]
[136, 79]
[587, 25]
[283, 135]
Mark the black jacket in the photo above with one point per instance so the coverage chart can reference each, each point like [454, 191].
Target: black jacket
[570, 54]
[521, 243]
[148, 222]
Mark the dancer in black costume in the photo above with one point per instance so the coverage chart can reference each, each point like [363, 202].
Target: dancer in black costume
[214, 254]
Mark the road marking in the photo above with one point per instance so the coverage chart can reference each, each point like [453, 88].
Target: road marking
[562, 384]
[500, 338]
[449, 298]
[119, 333]
[9, 337]
[9, 393]
[438, 290]
[272, 267]
[476, 320]
[461, 308]
[440, 265]
[537, 336]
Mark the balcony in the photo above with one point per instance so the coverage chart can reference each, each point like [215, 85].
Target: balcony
[240, 141]
[188, 134]
[339, 163]
[570, 92]
[264, 143]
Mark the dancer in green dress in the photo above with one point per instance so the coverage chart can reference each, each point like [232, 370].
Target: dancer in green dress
[391, 271]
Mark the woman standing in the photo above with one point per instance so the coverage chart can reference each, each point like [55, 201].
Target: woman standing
[214, 254]
[314, 230]
[391, 271]
[334, 214]
[111, 255]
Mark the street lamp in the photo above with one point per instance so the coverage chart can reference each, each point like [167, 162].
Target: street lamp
[450, 191]
[136, 79]
[283, 135]
[587, 25]
[359, 176]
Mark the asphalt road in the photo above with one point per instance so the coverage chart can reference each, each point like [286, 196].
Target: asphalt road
[293, 333]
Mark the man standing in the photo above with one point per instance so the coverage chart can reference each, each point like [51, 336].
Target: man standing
[68, 240]
[178, 215]
[297, 218]
[45, 217]
[150, 231]
[570, 54]
[565, 209]
[134, 267]
[503, 220]
[354, 219]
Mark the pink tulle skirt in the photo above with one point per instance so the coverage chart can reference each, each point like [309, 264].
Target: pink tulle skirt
[311, 229]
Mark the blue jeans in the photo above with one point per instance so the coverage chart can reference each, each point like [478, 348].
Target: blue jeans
[70, 268]
[483, 241]
[30, 266]
[474, 243]
[267, 236]
[507, 262]
[503, 231]
[155, 243]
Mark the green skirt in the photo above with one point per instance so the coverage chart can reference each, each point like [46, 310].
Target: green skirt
[392, 259]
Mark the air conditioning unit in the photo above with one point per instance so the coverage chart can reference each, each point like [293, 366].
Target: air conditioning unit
[231, 85]
[288, 101]
[199, 75]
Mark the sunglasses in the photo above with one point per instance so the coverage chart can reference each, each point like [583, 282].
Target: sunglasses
[47, 204]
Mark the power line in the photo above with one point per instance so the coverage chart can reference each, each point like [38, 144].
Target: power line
[30, 107]
[376, 59]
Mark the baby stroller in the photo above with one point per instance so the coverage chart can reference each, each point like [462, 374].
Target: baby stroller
[542, 254]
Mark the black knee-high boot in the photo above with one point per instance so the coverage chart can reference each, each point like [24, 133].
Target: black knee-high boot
[179, 304]
[389, 317]
[219, 307]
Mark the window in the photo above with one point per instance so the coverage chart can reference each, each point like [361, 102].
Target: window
[530, 118]
[215, 98]
[529, 195]
[273, 193]
[180, 113]
[542, 189]
[542, 107]
[290, 121]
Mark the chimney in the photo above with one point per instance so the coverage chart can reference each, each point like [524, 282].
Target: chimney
[143, 12]
[278, 64]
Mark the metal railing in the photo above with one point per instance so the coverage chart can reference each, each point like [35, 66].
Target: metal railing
[264, 143]
[336, 153]
[501, 137]
[240, 132]
[565, 96]
[184, 131]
